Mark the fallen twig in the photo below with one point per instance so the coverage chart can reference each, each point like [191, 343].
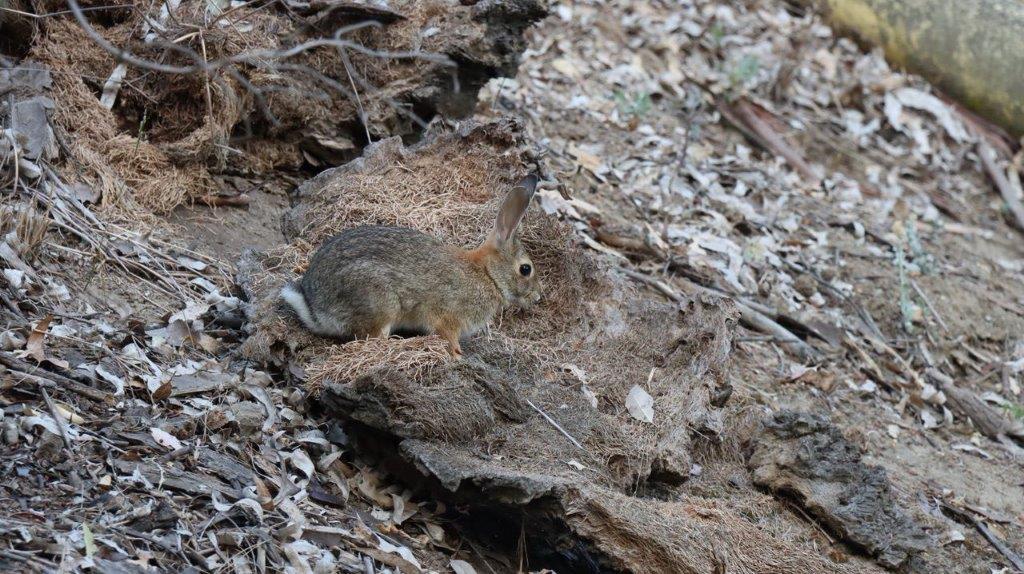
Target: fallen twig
[627, 243]
[754, 122]
[863, 313]
[1010, 194]
[48, 378]
[748, 315]
[11, 306]
[987, 420]
[983, 529]
[240, 200]
[928, 303]
[59, 419]
[556, 425]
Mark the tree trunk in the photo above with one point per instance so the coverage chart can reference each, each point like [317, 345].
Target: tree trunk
[973, 50]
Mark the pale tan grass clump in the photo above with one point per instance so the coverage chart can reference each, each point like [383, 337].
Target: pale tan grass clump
[366, 357]
[168, 135]
[453, 197]
[28, 225]
[134, 175]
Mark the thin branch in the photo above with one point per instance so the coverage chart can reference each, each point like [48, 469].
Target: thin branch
[58, 418]
[63, 12]
[255, 57]
[1010, 195]
[984, 530]
[748, 315]
[928, 303]
[556, 425]
[359, 102]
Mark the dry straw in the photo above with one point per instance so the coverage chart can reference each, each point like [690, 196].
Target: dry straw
[367, 357]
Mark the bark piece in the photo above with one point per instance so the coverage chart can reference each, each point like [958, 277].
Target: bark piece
[803, 456]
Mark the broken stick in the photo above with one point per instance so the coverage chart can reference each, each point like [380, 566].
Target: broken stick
[748, 315]
[967, 404]
[557, 426]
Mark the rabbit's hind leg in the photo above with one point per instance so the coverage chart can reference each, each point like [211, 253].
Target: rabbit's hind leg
[375, 317]
[450, 330]
[373, 327]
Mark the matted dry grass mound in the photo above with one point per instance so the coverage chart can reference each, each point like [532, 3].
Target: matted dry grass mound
[168, 133]
[516, 419]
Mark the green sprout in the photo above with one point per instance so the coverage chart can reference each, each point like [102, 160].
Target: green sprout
[633, 104]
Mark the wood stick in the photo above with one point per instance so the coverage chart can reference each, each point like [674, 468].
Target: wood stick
[748, 315]
[556, 425]
[995, 541]
[753, 121]
[10, 305]
[59, 419]
[967, 404]
[240, 200]
[928, 303]
[1010, 195]
[49, 379]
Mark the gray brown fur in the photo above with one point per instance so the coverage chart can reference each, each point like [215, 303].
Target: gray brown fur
[371, 281]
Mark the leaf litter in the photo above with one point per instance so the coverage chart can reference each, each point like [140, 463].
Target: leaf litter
[187, 456]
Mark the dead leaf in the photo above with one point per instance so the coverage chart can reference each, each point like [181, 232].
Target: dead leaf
[165, 439]
[209, 344]
[565, 67]
[90, 544]
[301, 461]
[398, 509]
[953, 536]
[34, 346]
[973, 449]
[462, 567]
[402, 551]
[640, 404]
[111, 378]
[163, 391]
[434, 531]
[919, 100]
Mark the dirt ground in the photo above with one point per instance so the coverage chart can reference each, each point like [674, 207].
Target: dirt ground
[597, 88]
[891, 258]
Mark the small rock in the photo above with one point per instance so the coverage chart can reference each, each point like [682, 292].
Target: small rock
[10, 432]
[806, 286]
[249, 416]
[296, 398]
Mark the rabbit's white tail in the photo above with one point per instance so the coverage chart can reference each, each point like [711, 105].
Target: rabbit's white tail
[297, 301]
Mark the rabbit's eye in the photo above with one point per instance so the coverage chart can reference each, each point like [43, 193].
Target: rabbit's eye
[525, 269]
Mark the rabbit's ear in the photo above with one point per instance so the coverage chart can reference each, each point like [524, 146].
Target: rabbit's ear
[513, 209]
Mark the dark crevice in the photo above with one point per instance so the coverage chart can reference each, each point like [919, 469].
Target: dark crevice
[533, 534]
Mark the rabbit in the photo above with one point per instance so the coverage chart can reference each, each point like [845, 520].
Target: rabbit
[372, 281]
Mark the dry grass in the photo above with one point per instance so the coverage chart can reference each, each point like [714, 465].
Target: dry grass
[168, 134]
[441, 196]
[363, 358]
[450, 186]
[134, 176]
[692, 535]
[28, 224]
